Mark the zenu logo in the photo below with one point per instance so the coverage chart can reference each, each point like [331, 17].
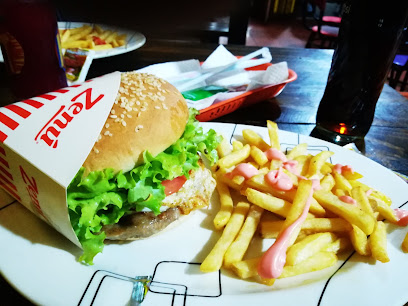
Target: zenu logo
[50, 132]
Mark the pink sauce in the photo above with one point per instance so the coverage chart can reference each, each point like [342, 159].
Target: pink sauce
[347, 168]
[315, 184]
[291, 166]
[348, 200]
[402, 216]
[279, 180]
[274, 259]
[337, 168]
[245, 170]
[340, 168]
[275, 154]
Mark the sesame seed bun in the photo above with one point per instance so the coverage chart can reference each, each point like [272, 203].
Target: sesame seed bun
[148, 114]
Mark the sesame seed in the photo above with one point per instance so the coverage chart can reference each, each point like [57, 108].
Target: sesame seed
[129, 116]
[124, 123]
[106, 133]
[96, 150]
[107, 125]
[113, 116]
[157, 107]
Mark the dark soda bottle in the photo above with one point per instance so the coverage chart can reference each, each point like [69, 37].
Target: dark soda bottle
[30, 45]
[369, 36]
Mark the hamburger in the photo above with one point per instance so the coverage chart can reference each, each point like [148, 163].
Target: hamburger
[145, 170]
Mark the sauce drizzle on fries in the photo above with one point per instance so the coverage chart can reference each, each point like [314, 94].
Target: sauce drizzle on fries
[322, 211]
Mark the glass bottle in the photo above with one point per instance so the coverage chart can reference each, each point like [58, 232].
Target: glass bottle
[30, 45]
[368, 39]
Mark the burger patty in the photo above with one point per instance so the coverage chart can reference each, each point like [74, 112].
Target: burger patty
[195, 193]
[141, 225]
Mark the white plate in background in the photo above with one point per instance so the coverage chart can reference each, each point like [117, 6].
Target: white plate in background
[134, 40]
[41, 264]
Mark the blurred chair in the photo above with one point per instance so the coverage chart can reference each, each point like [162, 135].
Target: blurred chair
[324, 29]
[398, 68]
[398, 76]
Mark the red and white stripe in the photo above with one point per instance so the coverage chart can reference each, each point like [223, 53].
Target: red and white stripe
[6, 179]
[11, 116]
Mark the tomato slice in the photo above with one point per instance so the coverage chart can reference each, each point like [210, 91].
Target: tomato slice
[174, 185]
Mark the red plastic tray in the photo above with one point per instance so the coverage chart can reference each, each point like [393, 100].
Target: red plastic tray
[247, 98]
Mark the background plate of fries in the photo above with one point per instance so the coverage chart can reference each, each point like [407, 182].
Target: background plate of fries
[354, 251]
[103, 39]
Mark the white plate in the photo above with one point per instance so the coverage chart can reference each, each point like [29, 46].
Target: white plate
[41, 264]
[134, 40]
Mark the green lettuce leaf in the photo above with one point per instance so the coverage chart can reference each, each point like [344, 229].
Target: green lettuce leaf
[103, 197]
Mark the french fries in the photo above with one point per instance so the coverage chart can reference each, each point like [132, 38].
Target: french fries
[299, 150]
[362, 200]
[378, 242]
[254, 139]
[91, 37]
[359, 240]
[404, 244]
[258, 182]
[273, 134]
[318, 261]
[215, 258]
[235, 157]
[238, 248]
[340, 245]
[312, 224]
[248, 268]
[268, 202]
[258, 156]
[308, 247]
[270, 229]
[224, 214]
[317, 162]
[223, 148]
[349, 212]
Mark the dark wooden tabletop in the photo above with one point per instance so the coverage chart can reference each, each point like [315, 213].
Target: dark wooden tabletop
[294, 109]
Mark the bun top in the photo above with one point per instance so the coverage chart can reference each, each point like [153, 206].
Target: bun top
[148, 114]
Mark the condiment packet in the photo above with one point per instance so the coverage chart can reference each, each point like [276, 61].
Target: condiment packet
[77, 62]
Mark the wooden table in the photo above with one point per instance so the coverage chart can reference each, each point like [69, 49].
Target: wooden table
[294, 109]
